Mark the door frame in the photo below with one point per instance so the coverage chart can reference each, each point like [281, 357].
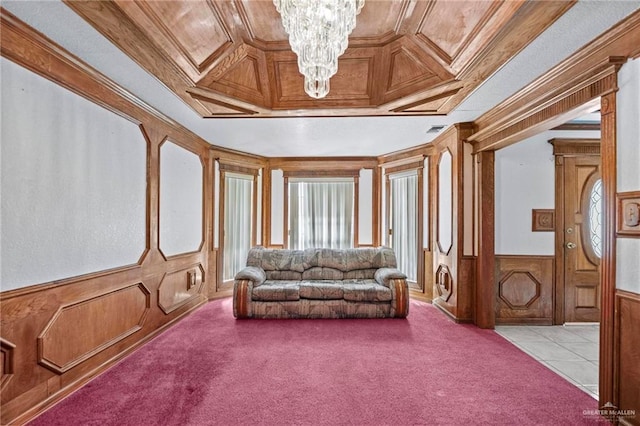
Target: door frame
[565, 147]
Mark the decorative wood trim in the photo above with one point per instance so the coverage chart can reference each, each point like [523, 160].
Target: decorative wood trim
[315, 164]
[485, 264]
[558, 297]
[584, 76]
[543, 220]
[420, 229]
[628, 206]
[593, 127]
[180, 287]
[31, 412]
[8, 361]
[539, 120]
[233, 168]
[418, 165]
[626, 355]
[59, 366]
[353, 174]
[520, 271]
[285, 216]
[565, 146]
[608, 260]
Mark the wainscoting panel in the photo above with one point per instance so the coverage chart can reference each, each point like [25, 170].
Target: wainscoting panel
[524, 289]
[78, 331]
[177, 288]
[60, 331]
[627, 354]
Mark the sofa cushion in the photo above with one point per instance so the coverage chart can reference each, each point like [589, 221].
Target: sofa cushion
[360, 274]
[276, 259]
[279, 290]
[283, 275]
[321, 290]
[366, 291]
[318, 273]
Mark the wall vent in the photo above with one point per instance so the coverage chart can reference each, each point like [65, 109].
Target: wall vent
[436, 128]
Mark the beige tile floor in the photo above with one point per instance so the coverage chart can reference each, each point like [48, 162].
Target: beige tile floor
[569, 350]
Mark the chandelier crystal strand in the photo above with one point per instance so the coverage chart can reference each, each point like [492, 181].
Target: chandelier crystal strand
[318, 34]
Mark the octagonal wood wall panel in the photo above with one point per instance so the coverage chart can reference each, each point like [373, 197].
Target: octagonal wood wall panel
[524, 287]
[179, 287]
[84, 331]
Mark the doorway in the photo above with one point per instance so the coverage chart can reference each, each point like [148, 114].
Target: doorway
[578, 231]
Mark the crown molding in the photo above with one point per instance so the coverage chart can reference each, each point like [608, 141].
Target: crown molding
[581, 78]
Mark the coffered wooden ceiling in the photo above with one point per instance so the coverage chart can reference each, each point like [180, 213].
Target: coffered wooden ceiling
[229, 58]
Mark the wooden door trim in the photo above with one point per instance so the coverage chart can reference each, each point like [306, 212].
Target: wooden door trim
[564, 147]
[608, 262]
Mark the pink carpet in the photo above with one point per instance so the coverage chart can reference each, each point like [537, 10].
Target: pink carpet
[210, 369]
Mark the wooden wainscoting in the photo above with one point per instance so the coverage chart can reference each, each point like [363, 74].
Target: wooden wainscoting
[524, 289]
[57, 336]
[626, 358]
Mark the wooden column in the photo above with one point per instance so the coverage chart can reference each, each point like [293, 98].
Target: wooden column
[485, 265]
[608, 261]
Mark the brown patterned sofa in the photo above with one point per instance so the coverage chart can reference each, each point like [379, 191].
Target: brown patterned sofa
[321, 283]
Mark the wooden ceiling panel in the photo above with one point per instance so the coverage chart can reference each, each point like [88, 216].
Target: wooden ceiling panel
[194, 29]
[350, 85]
[241, 77]
[450, 25]
[379, 18]
[406, 69]
[261, 19]
[232, 57]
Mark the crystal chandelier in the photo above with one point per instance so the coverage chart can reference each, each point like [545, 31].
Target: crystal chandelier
[318, 33]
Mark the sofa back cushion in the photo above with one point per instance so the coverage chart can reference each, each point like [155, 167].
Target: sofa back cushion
[322, 263]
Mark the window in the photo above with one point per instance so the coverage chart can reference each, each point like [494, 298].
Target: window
[403, 221]
[321, 213]
[238, 223]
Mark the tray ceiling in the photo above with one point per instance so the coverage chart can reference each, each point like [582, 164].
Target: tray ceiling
[231, 58]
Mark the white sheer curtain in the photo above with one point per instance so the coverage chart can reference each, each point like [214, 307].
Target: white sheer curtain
[238, 200]
[321, 214]
[404, 222]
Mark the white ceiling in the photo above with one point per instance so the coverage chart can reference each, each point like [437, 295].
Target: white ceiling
[322, 136]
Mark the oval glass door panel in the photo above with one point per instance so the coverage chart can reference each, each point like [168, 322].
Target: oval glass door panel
[595, 218]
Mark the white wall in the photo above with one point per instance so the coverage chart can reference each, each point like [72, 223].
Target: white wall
[525, 180]
[181, 201]
[628, 167]
[73, 183]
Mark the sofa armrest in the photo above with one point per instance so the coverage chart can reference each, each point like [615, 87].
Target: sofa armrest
[384, 276]
[253, 274]
[242, 290]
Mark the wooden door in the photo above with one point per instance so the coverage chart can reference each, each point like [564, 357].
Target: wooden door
[582, 238]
